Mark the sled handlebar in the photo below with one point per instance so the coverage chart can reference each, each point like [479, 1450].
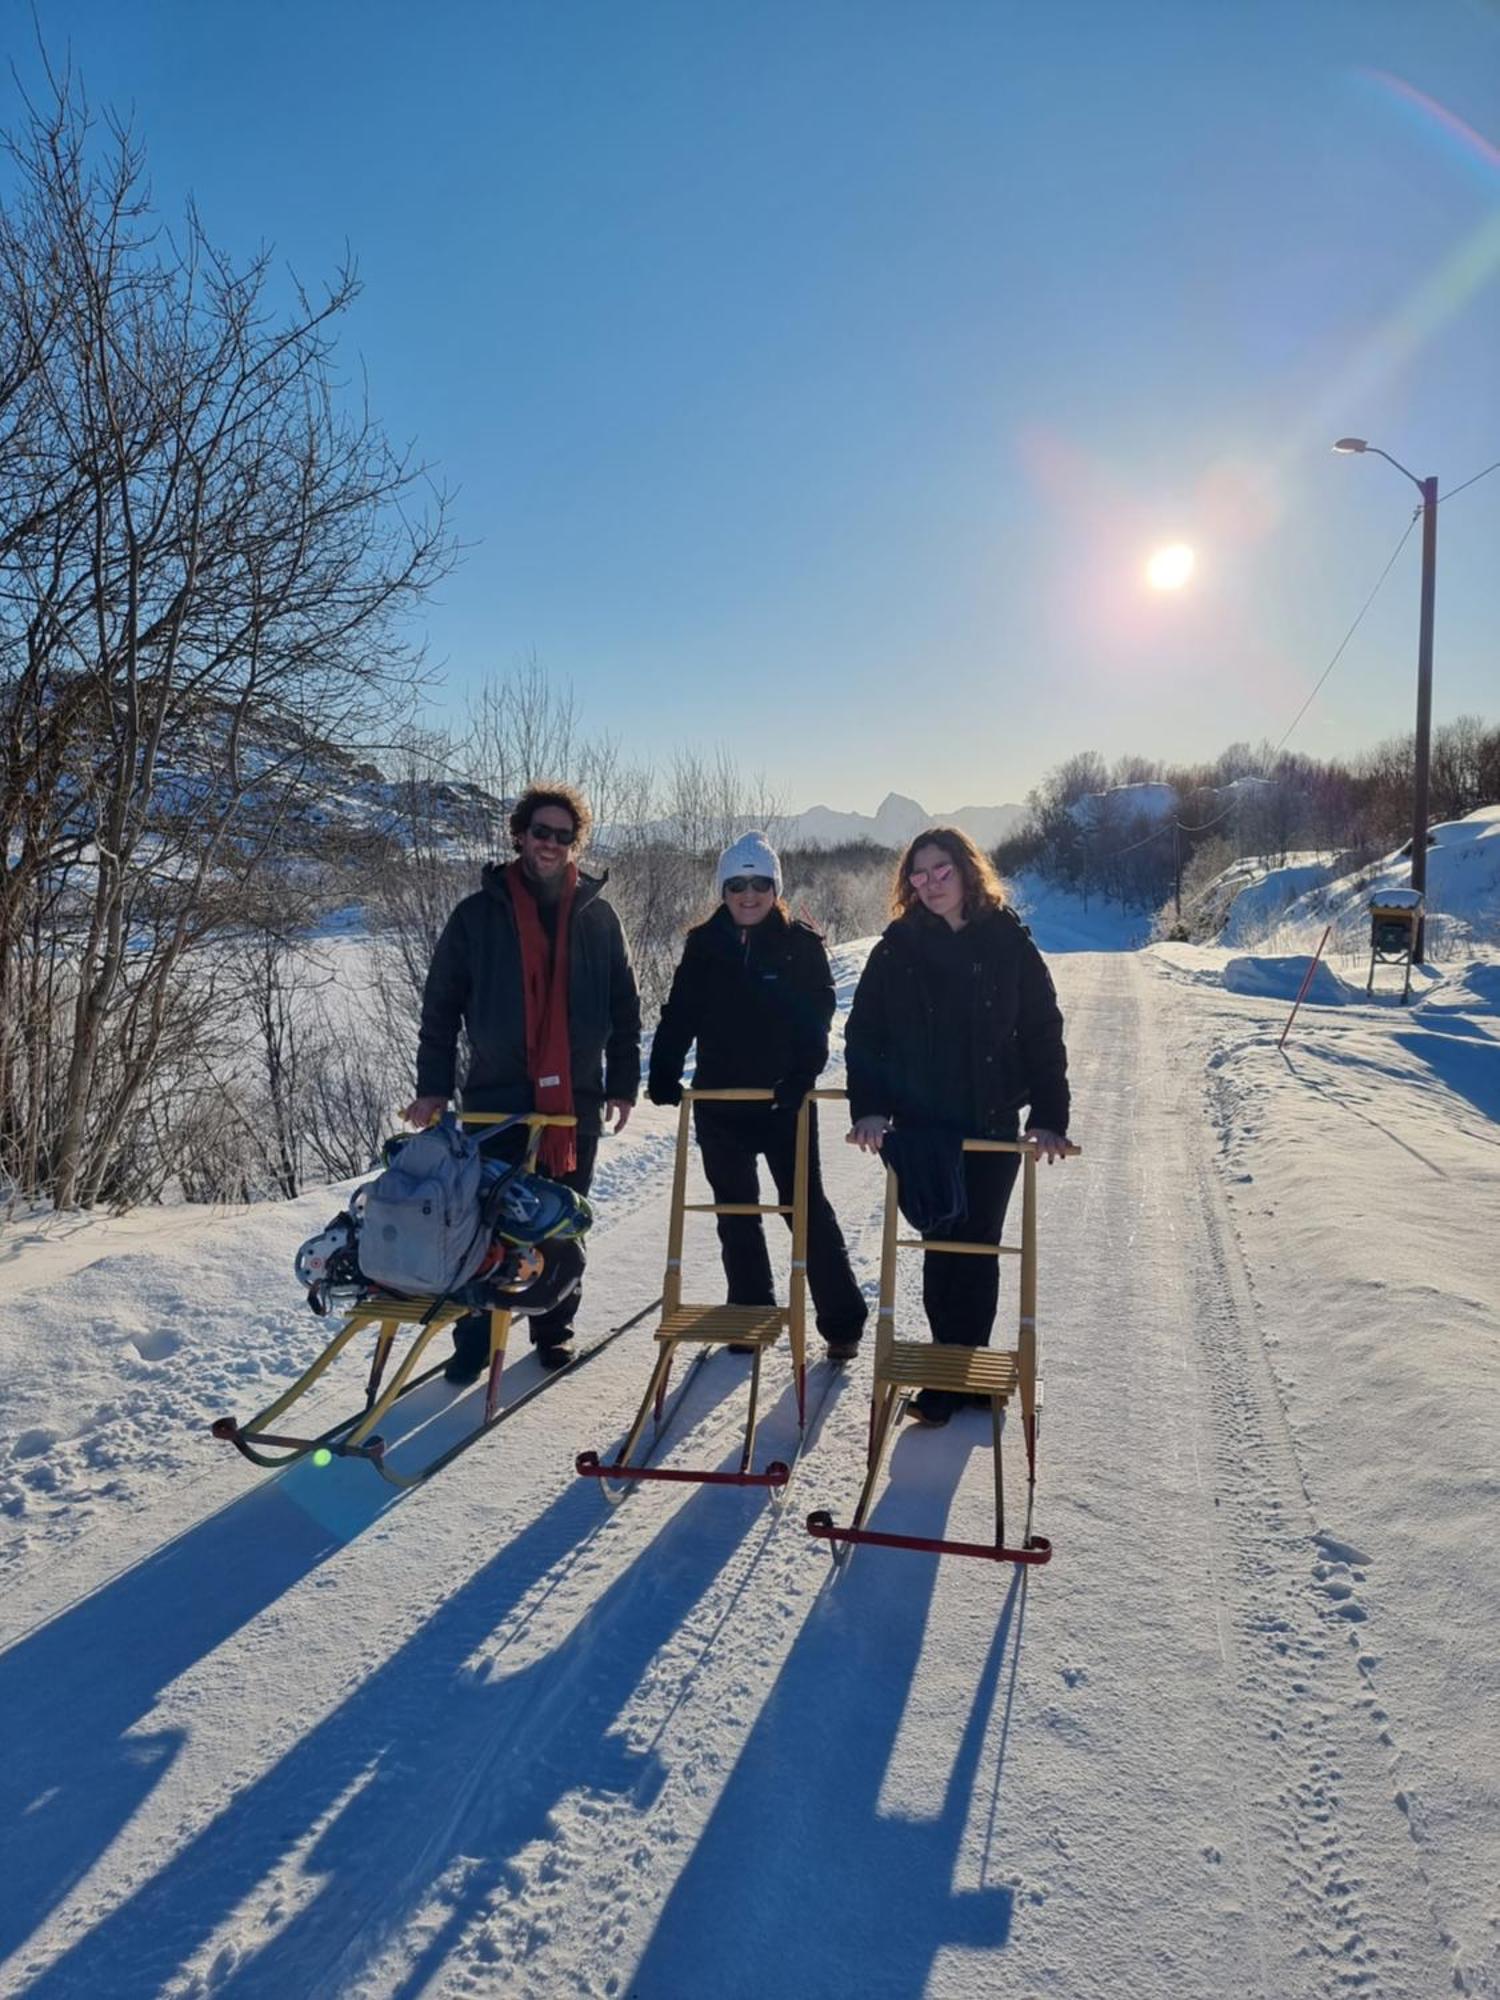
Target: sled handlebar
[727, 1096]
[1022, 1146]
[747, 1096]
[535, 1119]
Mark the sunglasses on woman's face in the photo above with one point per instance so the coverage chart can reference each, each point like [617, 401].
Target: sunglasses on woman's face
[749, 885]
[931, 878]
[560, 836]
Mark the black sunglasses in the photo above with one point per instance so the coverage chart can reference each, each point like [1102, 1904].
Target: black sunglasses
[560, 836]
[737, 885]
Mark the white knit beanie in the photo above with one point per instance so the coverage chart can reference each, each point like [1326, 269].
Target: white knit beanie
[751, 854]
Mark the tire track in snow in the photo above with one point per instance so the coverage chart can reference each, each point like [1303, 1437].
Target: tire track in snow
[1290, 1610]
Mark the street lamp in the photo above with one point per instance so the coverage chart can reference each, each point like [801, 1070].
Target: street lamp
[1428, 488]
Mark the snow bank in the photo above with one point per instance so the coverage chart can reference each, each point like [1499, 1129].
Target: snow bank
[1281, 979]
[1267, 896]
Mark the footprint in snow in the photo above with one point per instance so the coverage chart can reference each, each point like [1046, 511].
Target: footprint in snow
[1339, 1551]
[157, 1344]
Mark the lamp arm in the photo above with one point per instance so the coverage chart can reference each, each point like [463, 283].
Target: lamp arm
[1375, 448]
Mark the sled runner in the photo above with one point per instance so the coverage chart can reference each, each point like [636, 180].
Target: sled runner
[367, 1306]
[704, 1326]
[996, 1374]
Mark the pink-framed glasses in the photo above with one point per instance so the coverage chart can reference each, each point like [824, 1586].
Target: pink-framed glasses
[931, 878]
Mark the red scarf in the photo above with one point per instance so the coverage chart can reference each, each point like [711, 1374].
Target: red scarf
[544, 982]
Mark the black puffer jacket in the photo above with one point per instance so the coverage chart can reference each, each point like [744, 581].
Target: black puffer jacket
[958, 1029]
[757, 1002]
[475, 982]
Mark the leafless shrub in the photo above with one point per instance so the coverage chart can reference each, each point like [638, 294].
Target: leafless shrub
[352, 1090]
[843, 891]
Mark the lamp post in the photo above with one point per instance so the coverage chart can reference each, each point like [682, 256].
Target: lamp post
[1428, 488]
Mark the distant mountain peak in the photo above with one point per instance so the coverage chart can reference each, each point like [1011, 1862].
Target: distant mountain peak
[894, 822]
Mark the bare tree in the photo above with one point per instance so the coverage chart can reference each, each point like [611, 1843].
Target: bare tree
[205, 565]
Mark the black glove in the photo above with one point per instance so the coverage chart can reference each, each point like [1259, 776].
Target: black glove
[662, 1090]
[789, 1093]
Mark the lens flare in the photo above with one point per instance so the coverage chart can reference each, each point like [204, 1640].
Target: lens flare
[1170, 568]
[322, 1456]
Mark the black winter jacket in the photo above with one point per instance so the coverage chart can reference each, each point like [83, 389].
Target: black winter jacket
[958, 1029]
[757, 1002]
[475, 981]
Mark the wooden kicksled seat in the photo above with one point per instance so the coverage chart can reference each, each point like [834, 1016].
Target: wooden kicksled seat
[684, 1324]
[904, 1367]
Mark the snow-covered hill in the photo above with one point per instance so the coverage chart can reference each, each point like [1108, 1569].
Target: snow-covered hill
[1307, 891]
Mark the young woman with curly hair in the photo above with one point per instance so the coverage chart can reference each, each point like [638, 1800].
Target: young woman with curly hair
[955, 1027]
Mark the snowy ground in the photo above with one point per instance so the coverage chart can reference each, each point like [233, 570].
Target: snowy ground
[294, 1736]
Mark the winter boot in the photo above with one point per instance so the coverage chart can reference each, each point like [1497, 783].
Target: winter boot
[931, 1408]
[471, 1350]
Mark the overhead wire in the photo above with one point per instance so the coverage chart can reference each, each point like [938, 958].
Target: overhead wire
[1455, 491]
[1339, 650]
[1167, 825]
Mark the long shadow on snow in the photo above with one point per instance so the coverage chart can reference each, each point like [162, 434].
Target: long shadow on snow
[429, 1764]
[799, 1880]
[1464, 1059]
[76, 1768]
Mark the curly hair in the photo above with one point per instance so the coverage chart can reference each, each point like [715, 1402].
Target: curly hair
[983, 889]
[568, 797]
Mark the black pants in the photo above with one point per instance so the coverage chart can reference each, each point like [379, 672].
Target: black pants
[732, 1139]
[547, 1329]
[960, 1293]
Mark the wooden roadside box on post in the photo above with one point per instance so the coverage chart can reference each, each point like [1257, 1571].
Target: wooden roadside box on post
[1395, 921]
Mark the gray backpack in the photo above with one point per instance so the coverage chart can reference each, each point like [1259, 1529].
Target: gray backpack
[421, 1228]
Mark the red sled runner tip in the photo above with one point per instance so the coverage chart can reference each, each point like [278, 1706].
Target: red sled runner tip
[588, 1465]
[1035, 1550]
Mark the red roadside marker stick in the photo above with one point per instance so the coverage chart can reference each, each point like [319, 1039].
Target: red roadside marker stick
[1306, 982]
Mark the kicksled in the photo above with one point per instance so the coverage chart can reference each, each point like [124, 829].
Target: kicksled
[995, 1376]
[265, 1440]
[702, 1327]
[988, 1374]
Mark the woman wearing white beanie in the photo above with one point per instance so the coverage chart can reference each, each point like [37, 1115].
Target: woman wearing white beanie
[755, 992]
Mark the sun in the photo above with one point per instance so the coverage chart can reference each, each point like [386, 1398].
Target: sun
[1170, 568]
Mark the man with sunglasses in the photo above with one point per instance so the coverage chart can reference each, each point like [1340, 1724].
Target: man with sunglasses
[533, 968]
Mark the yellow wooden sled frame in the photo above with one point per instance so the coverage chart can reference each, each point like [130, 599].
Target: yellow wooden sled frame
[906, 1366]
[357, 1436]
[757, 1327]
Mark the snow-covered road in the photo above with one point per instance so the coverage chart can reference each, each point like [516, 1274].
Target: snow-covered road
[284, 1737]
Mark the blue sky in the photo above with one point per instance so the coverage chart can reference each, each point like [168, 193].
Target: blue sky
[817, 378]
